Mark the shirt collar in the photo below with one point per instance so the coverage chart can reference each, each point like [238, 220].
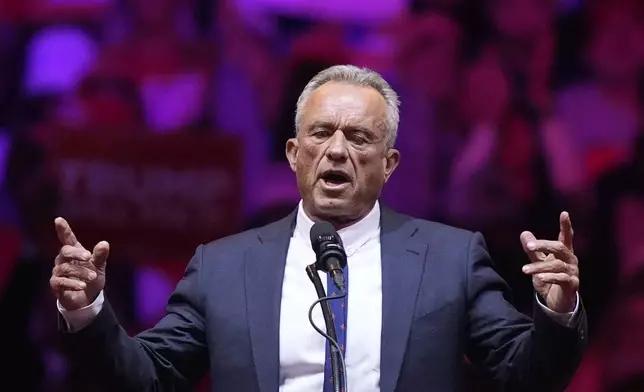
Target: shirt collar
[353, 237]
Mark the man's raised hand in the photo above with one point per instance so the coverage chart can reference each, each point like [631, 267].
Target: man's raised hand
[554, 267]
[78, 275]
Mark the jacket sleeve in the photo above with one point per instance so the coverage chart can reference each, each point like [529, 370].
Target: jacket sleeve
[518, 353]
[171, 356]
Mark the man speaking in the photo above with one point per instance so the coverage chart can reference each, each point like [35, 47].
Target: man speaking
[421, 295]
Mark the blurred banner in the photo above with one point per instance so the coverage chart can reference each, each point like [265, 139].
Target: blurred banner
[151, 195]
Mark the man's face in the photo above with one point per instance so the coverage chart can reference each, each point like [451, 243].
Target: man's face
[340, 155]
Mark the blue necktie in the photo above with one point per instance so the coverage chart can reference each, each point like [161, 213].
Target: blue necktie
[339, 313]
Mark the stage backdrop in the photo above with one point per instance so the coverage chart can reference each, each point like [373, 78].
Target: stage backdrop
[154, 196]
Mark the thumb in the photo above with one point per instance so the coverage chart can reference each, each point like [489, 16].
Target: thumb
[100, 254]
[527, 241]
[526, 238]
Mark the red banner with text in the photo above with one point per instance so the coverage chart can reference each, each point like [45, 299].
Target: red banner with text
[154, 196]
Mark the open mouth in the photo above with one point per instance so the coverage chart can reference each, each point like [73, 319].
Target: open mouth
[335, 178]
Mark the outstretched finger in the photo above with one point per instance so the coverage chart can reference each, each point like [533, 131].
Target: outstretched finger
[100, 254]
[565, 230]
[527, 240]
[554, 265]
[554, 248]
[65, 234]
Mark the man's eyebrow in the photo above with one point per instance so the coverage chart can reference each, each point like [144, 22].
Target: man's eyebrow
[360, 128]
[329, 125]
[321, 124]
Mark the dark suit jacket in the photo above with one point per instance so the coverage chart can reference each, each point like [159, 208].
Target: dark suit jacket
[441, 299]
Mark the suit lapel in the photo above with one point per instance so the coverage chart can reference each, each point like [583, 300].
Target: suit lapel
[402, 269]
[264, 273]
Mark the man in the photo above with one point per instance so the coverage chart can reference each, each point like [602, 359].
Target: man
[421, 294]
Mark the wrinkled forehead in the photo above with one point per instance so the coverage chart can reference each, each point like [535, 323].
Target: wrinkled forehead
[346, 105]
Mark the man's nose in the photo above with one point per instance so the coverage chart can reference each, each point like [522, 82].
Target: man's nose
[338, 147]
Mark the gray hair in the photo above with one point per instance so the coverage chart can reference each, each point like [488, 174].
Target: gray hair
[360, 77]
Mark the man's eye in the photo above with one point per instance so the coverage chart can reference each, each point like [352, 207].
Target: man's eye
[359, 139]
[322, 134]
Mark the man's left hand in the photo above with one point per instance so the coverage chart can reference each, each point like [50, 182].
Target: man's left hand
[554, 267]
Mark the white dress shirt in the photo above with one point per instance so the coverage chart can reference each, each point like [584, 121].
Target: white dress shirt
[302, 349]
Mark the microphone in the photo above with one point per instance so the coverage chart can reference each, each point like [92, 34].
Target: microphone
[330, 258]
[330, 255]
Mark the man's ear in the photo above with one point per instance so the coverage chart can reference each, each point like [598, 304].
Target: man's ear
[292, 148]
[392, 158]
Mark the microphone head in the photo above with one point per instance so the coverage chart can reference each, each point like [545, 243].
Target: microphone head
[322, 232]
[327, 245]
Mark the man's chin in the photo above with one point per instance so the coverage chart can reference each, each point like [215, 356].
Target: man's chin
[331, 207]
[340, 211]
[330, 203]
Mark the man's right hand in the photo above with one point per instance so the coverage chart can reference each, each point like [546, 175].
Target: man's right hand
[78, 275]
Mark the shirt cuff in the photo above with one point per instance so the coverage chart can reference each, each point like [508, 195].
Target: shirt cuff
[81, 318]
[566, 319]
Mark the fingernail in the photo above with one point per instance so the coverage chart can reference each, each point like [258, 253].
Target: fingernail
[526, 269]
[92, 275]
[87, 255]
[531, 245]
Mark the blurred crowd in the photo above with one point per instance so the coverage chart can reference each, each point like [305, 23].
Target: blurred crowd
[512, 111]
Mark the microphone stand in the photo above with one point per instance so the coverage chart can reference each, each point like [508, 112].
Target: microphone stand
[336, 369]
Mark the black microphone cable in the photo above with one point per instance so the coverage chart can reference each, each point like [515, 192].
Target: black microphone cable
[339, 381]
